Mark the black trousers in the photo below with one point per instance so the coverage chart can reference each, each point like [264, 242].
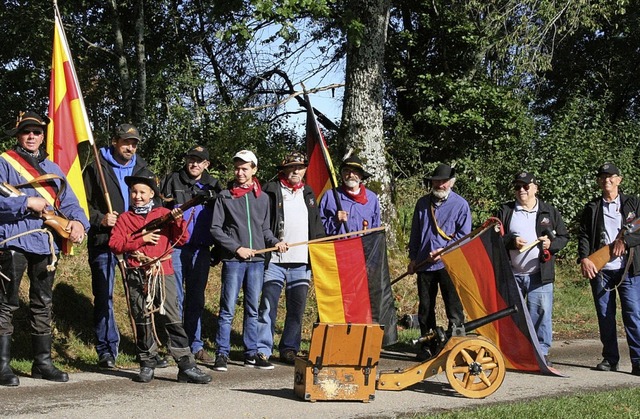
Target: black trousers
[13, 263]
[428, 283]
[146, 346]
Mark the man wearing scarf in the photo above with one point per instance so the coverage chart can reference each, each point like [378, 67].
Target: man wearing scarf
[351, 207]
[240, 226]
[294, 218]
[117, 161]
[440, 218]
[26, 247]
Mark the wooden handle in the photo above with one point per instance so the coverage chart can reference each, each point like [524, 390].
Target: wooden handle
[529, 246]
[601, 256]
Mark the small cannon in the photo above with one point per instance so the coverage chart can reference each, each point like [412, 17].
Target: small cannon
[474, 366]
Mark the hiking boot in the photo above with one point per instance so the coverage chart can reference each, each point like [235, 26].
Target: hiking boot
[221, 363]
[161, 361]
[259, 361]
[203, 357]
[605, 365]
[144, 376]
[193, 375]
[106, 360]
[288, 356]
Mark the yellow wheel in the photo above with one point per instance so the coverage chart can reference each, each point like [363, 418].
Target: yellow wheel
[475, 368]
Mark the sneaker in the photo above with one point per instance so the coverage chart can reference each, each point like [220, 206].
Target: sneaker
[259, 361]
[221, 363]
[288, 356]
[106, 361]
[203, 357]
[605, 365]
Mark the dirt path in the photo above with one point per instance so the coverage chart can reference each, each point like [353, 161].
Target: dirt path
[248, 393]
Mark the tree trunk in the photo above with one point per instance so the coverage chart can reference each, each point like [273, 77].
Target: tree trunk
[362, 116]
[141, 92]
[123, 68]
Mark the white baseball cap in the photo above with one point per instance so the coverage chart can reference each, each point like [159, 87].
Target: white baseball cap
[247, 156]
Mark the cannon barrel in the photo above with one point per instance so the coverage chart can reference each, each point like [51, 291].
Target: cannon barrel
[474, 324]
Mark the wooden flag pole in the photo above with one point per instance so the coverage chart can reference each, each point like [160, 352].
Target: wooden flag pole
[324, 239]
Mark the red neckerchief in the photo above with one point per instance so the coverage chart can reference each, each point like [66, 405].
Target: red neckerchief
[238, 191]
[360, 197]
[285, 182]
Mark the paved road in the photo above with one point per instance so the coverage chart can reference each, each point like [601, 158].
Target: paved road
[248, 393]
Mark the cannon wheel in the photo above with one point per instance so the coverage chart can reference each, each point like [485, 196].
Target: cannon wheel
[475, 368]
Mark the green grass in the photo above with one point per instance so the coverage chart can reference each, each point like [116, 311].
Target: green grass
[621, 403]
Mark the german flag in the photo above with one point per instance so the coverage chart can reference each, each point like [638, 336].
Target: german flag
[482, 275]
[352, 284]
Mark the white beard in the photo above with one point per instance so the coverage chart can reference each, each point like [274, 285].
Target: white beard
[351, 183]
[440, 194]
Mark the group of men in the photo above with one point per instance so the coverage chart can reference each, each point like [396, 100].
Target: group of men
[249, 227]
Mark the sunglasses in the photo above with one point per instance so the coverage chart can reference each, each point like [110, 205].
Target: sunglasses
[524, 186]
[32, 131]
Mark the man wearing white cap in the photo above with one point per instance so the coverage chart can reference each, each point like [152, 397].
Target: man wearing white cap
[240, 226]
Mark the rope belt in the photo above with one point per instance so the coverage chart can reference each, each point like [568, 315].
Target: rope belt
[50, 267]
[154, 279]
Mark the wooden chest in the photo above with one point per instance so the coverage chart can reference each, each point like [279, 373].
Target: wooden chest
[342, 363]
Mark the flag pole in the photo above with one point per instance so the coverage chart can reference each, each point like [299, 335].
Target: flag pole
[324, 239]
[449, 247]
[325, 155]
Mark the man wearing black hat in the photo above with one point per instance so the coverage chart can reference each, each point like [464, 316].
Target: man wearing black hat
[440, 218]
[294, 218]
[25, 246]
[117, 161]
[601, 225]
[192, 260]
[356, 208]
[534, 233]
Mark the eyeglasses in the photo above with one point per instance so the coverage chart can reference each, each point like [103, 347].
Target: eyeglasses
[32, 131]
[524, 186]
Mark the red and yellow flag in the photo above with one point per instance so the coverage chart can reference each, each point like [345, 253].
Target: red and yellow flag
[320, 173]
[69, 124]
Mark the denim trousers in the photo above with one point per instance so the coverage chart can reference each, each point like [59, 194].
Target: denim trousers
[539, 298]
[249, 277]
[428, 282]
[191, 266]
[103, 269]
[604, 296]
[296, 276]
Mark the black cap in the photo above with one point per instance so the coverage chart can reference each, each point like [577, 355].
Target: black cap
[355, 163]
[442, 172]
[126, 131]
[525, 177]
[199, 152]
[146, 177]
[25, 119]
[295, 158]
[608, 169]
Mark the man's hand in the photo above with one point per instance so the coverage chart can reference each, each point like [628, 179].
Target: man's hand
[619, 247]
[245, 253]
[588, 268]
[546, 242]
[520, 242]
[109, 220]
[282, 247]
[36, 204]
[151, 236]
[411, 268]
[435, 255]
[176, 213]
[343, 216]
[76, 231]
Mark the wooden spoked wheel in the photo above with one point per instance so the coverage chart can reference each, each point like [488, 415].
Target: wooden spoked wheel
[475, 368]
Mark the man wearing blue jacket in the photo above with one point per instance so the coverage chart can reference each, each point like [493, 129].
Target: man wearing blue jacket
[40, 186]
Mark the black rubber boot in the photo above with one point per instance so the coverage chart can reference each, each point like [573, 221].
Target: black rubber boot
[188, 372]
[7, 377]
[42, 365]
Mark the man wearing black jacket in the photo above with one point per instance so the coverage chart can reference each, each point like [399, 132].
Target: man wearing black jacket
[294, 218]
[534, 233]
[602, 220]
[117, 161]
[192, 260]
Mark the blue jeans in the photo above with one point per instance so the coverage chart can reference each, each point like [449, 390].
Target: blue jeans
[605, 301]
[249, 276]
[191, 265]
[103, 269]
[540, 305]
[296, 276]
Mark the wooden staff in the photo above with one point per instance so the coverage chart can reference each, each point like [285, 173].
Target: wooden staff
[475, 232]
[324, 239]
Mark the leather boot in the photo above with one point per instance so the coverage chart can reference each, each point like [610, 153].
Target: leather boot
[7, 377]
[188, 372]
[42, 365]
